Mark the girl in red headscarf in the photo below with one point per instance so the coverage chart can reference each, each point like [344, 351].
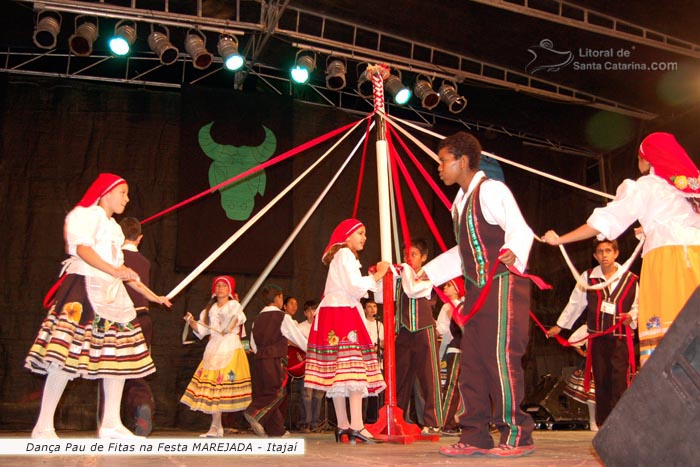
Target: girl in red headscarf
[340, 359]
[221, 382]
[91, 331]
[665, 202]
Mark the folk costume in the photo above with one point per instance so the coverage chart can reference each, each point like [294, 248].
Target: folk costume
[341, 357]
[609, 354]
[487, 220]
[416, 347]
[272, 328]
[665, 202]
[221, 382]
[91, 330]
[450, 355]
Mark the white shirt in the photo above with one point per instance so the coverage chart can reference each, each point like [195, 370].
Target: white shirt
[289, 330]
[220, 347]
[305, 328]
[498, 207]
[666, 216]
[376, 332]
[443, 328]
[578, 301]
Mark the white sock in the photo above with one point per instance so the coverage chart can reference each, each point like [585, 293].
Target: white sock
[591, 416]
[113, 399]
[54, 386]
[216, 421]
[341, 413]
[356, 422]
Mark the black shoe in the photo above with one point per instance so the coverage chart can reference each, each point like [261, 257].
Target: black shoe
[357, 434]
[340, 432]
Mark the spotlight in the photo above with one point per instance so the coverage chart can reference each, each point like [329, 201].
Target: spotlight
[449, 95]
[304, 64]
[398, 91]
[228, 49]
[335, 73]
[429, 99]
[124, 37]
[196, 46]
[159, 42]
[48, 25]
[81, 41]
[364, 84]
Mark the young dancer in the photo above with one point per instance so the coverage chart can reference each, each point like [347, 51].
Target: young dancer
[91, 331]
[341, 359]
[221, 382]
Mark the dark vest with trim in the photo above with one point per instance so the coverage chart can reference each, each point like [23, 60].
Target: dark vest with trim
[622, 296]
[413, 314]
[479, 242]
[267, 332]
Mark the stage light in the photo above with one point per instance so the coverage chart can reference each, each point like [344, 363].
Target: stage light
[48, 25]
[159, 43]
[449, 95]
[124, 37]
[398, 91]
[364, 84]
[304, 64]
[228, 49]
[423, 88]
[81, 41]
[196, 46]
[335, 73]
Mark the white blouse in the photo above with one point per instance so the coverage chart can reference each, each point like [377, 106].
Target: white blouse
[222, 343]
[666, 216]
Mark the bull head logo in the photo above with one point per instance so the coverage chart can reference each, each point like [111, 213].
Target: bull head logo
[237, 199]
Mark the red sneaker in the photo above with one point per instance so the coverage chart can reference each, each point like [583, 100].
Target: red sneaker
[462, 450]
[506, 450]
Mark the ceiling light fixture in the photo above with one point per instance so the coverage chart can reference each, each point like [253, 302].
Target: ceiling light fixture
[196, 46]
[159, 43]
[336, 68]
[429, 99]
[228, 49]
[46, 29]
[80, 43]
[449, 95]
[124, 37]
[304, 64]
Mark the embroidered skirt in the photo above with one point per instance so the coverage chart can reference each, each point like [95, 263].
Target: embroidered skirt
[75, 340]
[340, 357]
[574, 388]
[225, 389]
[669, 276]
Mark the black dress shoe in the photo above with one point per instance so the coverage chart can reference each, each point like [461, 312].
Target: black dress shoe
[340, 432]
[357, 434]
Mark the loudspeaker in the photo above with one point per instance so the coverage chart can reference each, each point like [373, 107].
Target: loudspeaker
[549, 405]
[656, 422]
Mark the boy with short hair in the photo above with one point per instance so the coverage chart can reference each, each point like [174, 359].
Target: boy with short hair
[272, 328]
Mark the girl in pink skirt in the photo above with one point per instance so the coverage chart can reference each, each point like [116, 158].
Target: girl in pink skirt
[341, 360]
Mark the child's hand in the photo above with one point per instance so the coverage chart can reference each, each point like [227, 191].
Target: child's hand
[382, 268]
[507, 258]
[163, 300]
[188, 318]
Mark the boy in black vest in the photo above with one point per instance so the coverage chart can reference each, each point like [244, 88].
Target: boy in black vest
[605, 308]
[271, 330]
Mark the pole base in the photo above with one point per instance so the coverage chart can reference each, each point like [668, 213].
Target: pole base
[392, 427]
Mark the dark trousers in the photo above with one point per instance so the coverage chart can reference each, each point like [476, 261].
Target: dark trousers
[493, 344]
[268, 375]
[416, 359]
[451, 397]
[610, 362]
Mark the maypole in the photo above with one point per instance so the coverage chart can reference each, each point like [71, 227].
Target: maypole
[390, 424]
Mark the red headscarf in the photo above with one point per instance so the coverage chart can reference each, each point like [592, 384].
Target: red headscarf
[104, 183]
[458, 283]
[670, 162]
[230, 281]
[342, 232]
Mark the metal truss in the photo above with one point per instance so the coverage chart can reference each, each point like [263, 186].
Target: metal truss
[327, 35]
[579, 17]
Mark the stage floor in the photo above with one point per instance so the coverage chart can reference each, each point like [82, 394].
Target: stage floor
[554, 448]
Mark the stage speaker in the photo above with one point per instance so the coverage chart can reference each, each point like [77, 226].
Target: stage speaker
[550, 406]
[656, 420]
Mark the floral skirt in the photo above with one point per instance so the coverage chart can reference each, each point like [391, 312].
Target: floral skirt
[225, 389]
[340, 357]
[78, 342]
